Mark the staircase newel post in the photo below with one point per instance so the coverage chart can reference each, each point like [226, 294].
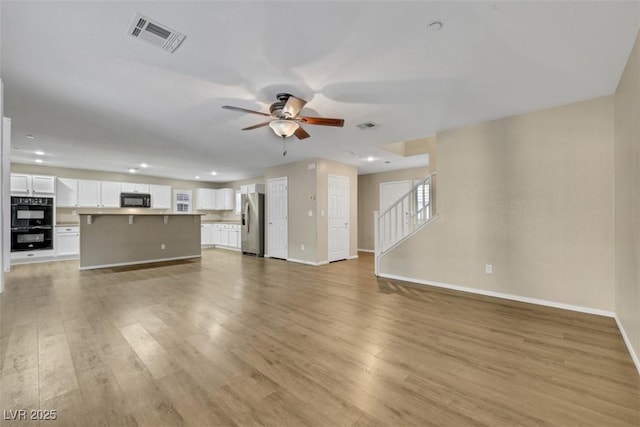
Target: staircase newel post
[376, 242]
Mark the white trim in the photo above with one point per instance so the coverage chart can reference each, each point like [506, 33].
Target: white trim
[352, 257]
[323, 262]
[367, 250]
[634, 355]
[149, 261]
[581, 309]
[299, 261]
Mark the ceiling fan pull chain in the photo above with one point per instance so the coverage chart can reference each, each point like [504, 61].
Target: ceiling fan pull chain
[284, 146]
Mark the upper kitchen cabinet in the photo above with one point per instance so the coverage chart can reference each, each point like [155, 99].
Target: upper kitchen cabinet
[32, 185]
[252, 188]
[205, 198]
[224, 199]
[160, 196]
[98, 194]
[135, 188]
[218, 199]
[109, 194]
[66, 192]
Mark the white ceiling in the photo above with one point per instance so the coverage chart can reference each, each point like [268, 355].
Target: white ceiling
[96, 98]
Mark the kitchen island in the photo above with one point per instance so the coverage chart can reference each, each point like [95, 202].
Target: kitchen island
[110, 240]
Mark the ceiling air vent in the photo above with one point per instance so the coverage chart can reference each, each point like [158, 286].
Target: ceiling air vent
[155, 33]
[367, 125]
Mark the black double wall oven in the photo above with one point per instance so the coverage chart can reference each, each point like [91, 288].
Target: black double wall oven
[31, 223]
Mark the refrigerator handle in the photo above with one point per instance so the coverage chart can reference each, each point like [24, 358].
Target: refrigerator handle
[248, 213]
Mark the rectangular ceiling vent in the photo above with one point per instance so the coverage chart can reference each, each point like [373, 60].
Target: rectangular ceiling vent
[155, 33]
[367, 125]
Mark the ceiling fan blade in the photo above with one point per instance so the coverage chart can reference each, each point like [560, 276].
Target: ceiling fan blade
[301, 133]
[244, 110]
[259, 125]
[323, 121]
[293, 106]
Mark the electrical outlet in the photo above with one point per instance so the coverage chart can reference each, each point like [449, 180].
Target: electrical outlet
[162, 246]
[302, 246]
[488, 268]
[310, 213]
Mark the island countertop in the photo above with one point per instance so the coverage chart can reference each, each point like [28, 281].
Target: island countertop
[116, 239]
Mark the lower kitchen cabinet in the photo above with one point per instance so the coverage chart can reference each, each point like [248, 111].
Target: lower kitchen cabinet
[67, 241]
[206, 234]
[226, 236]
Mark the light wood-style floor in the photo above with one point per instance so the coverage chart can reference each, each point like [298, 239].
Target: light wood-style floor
[236, 340]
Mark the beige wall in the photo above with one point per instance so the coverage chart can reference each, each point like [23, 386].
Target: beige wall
[627, 199]
[302, 191]
[369, 198]
[307, 182]
[531, 195]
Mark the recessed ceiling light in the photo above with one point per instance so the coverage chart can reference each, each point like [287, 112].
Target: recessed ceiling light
[38, 160]
[31, 137]
[197, 177]
[214, 173]
[132, 170]
[370, 159]
[40, 153]
[144, 165]
[435, 26]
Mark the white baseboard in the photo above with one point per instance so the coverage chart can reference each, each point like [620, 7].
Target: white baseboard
[367, 250]
[502, 295]
[151, 261]
[627, 341]
[299, 261]
[353, 257]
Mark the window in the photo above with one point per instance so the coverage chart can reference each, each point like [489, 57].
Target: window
[422, 201]
[182, 201]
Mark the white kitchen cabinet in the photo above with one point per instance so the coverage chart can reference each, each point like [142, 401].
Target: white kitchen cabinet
[88, 193]
[234, 236]
[225, 199]
[33, 185]
[205, 198]
[206, 234]
[128, 187]
[160, 196]
[109, 194]
[226, 236]
[98, 194]
[252, 188]
[67, 241]
[66, 193]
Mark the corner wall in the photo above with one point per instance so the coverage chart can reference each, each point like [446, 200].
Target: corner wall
[627, 202]
[533, 196]
[308, 192]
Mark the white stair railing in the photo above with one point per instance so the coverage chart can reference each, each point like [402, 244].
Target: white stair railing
[411, 212]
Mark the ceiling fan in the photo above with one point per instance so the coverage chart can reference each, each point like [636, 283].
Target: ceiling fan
[285, 119]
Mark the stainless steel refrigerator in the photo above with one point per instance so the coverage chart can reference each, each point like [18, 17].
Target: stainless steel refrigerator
[252, 233]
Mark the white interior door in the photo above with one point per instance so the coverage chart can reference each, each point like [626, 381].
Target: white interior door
[398, 218]
[338, 207]
[278, 222]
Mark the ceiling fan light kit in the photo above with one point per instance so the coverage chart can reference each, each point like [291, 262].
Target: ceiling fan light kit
[284, 128]
[286, 121]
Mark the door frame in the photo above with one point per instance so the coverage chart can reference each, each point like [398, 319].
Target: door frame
[268, 219]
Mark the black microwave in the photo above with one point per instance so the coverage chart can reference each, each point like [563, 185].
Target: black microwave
[135, 200]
